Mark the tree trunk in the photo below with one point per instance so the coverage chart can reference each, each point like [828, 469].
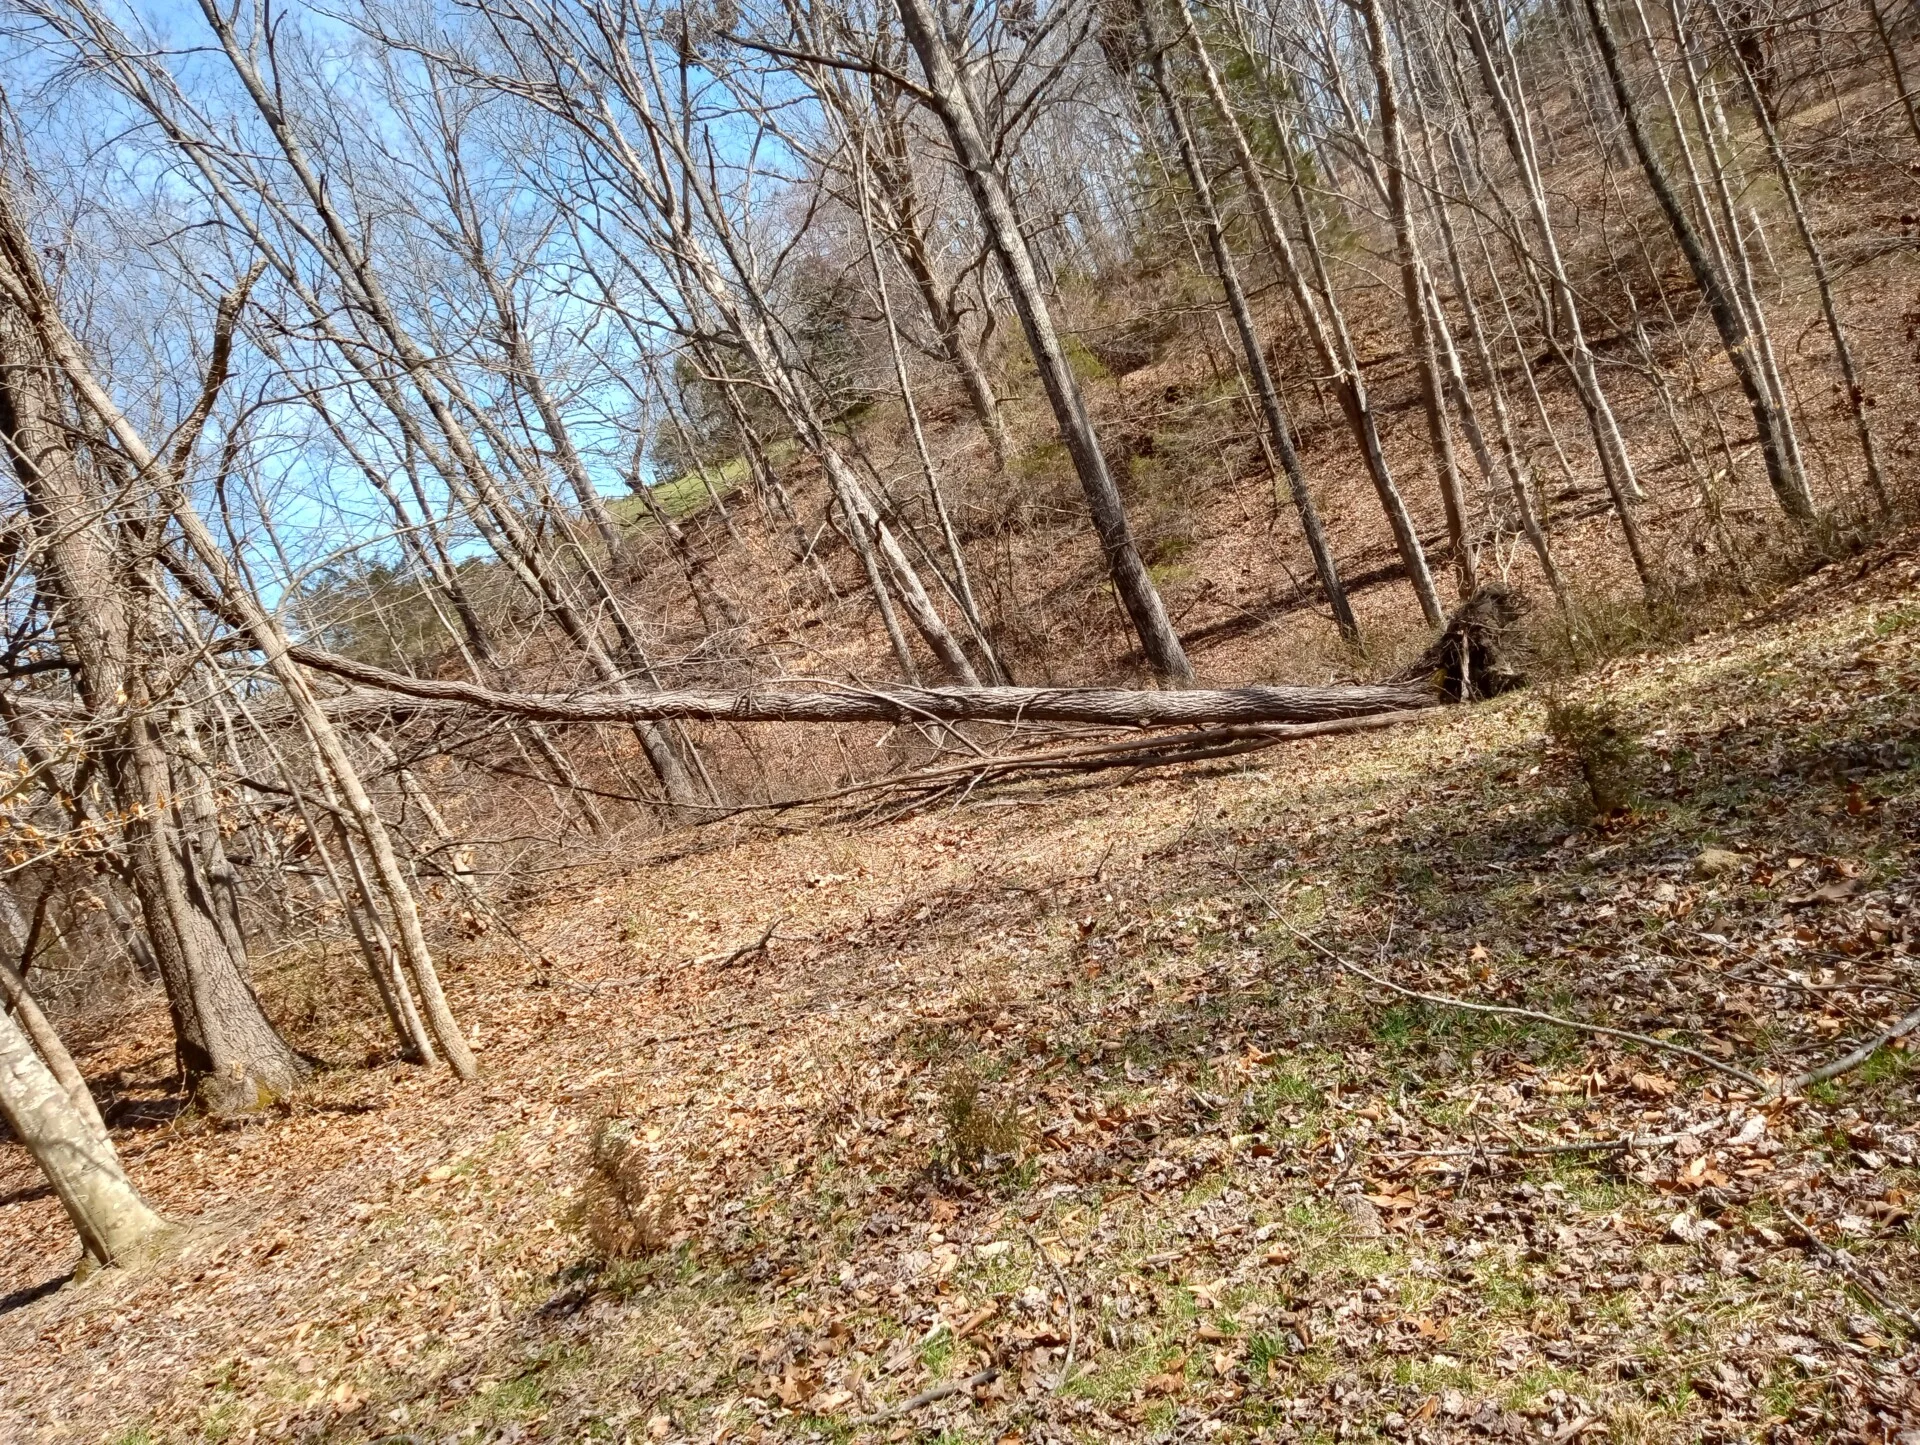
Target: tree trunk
[1414, 284]
[78, 1159]
[902, 202]
[1788, 487]
[1271, 412]
[1857, 401]
[1111, 707]
[1327, 330]
[1908, 100]
[48, 1044]
[961, 586]
[230, 1054]
[953, 104]
[1566, 333]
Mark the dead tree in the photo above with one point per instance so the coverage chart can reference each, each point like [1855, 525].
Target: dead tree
[1109, 707]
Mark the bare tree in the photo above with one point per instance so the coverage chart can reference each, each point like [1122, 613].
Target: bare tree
[949, 95]
[73, 1151]
[1776, 446]
[1227, 272]
[228, 1050]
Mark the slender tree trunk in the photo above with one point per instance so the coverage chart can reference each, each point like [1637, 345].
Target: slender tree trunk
[1788, 487]
[861, 541]
[1563, 315]
[1271, 411]
[716, 610]
[962, 583]
[1512, 465]
[1352, 387]
[1908, 100]
[898, 194]
[232, 1057]
[107, 1212]
[1823, 281]
[1414, 283]
[1729, 239]
[954, 106]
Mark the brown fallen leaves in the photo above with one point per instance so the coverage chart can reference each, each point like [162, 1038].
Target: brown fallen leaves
[1235, 1192]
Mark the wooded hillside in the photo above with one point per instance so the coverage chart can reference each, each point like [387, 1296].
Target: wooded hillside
[465, 456]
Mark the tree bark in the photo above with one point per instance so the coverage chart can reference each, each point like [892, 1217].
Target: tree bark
[1857, 401]
[1327, 330]
[1112, 707]
[1414, 285]
[1511, 111]
[78, 1159]
[232, 1057]
[953, 104]
[49, 1045]
[902, 201]
[1788, 487]
[1271, 411]
[961, 585]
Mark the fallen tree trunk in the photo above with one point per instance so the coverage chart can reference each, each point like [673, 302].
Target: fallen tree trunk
[842, 703]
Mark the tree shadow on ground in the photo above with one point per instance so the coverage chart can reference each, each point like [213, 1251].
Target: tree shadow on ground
[31, 1294]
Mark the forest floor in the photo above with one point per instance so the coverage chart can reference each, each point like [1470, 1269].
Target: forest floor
[1068, 1101]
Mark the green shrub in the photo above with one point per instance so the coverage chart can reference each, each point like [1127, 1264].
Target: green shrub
[1594, 739]
[972, 1130]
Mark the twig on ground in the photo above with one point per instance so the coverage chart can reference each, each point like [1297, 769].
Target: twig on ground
[1159, 750]
[746, 950]
[726, 958]
[1626, 1142]
[1073, 1319]
[1732, 1071]
[1850, 1269]
[928, 1397]
[900, 1358]
[733, 1027]
[1848, 1062]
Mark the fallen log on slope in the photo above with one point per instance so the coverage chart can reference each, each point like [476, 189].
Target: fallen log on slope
[847, 703]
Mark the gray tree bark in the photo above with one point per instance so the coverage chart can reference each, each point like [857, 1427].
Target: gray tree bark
[231, 1055]
[107, 1212]
[953, 104]
[1414, 285]
[49, 1045]
[1267, 394]
[1789, 487]
[1113, 707]
[1326, 328]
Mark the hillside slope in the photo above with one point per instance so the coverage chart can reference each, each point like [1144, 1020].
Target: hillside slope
[1064, 1083]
